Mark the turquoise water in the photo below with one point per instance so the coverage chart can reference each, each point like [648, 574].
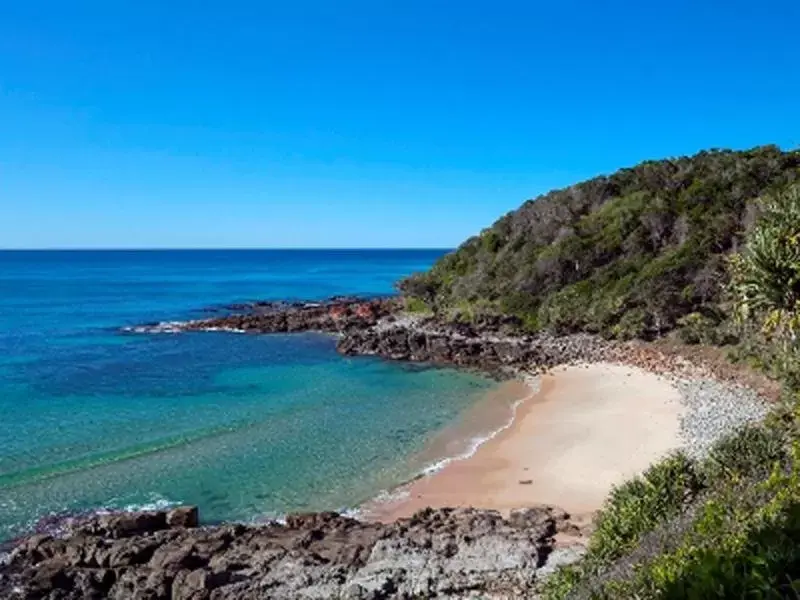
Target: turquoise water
[244, 426]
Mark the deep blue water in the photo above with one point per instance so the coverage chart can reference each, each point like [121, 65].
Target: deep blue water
[245, 426]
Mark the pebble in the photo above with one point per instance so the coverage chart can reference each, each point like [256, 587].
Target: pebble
[714, 410]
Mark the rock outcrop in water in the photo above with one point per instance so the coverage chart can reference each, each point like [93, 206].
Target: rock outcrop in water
[334, 315]
[444, 553]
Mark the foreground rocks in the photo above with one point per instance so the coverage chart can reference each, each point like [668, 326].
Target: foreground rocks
[443, 553]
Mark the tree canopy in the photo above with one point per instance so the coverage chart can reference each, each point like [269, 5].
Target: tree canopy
[624, 255]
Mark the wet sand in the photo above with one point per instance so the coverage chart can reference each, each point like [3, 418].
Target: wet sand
[586, 429]
[485, 419]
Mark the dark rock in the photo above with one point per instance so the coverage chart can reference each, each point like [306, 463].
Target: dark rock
[51, 574]
[335, 315]
[93, 584]
[545, 516]
[191, 585]
[404, 338]
[140, 583]
[438, 349]
[117, 525]
[183, 516]
[125, 553]
[173, 556]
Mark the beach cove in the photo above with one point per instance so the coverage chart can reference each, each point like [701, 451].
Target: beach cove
[504, 478]
[576, 416]
[580, 431]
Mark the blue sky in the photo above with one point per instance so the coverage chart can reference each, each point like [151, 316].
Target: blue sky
[361, 123]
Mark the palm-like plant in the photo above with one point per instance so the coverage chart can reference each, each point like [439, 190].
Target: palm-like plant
[766, 275]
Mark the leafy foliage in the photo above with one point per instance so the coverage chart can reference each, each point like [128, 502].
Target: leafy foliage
[753, 450]
[713, 327]
[738, 537]
[625, 255]
[742, 544]
[766, 276]
[638, 505]
[708, 530]
[416, 306]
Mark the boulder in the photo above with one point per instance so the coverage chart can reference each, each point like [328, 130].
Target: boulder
[117, 525]
[183, 516]
[191, 585]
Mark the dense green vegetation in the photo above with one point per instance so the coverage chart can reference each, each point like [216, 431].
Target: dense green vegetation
[729, 525]
[688, 530]
[707, 247]
[634, 254]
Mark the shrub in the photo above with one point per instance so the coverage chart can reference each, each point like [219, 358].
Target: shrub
[697, 328]
[417, 305]
[743, 544]
[738, 538]
[636, 506]
[766, 276]
[423, 286]
[491, 241]
[750, 452]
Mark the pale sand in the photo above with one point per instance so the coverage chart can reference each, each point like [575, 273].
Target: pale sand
[588, 429]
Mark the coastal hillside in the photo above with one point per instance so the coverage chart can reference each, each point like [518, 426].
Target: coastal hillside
[632, 254]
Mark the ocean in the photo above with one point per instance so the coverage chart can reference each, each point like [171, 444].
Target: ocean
[247, 427]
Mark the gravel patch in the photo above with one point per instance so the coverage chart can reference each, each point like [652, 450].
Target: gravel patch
[714, 410]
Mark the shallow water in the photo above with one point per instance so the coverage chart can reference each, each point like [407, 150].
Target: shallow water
[244, 426]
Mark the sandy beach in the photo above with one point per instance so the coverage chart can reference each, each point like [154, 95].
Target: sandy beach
[585, 430]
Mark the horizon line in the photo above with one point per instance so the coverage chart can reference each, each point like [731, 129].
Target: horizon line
[212, 248]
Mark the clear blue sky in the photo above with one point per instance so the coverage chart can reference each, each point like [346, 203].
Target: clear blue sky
[361, 123]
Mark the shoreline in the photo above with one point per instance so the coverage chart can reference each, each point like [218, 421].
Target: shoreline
[381, 328]
[392, 504]
[462, 439]
[478, 425]
[563, 447]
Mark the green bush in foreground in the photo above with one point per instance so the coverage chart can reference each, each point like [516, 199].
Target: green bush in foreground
[743, 544]
[631, 510]
[639, 504]
[417, 306]
[766, 276]
[718, 529]
[754, 450]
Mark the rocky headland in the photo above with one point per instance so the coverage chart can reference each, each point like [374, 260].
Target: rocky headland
[381, 327]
